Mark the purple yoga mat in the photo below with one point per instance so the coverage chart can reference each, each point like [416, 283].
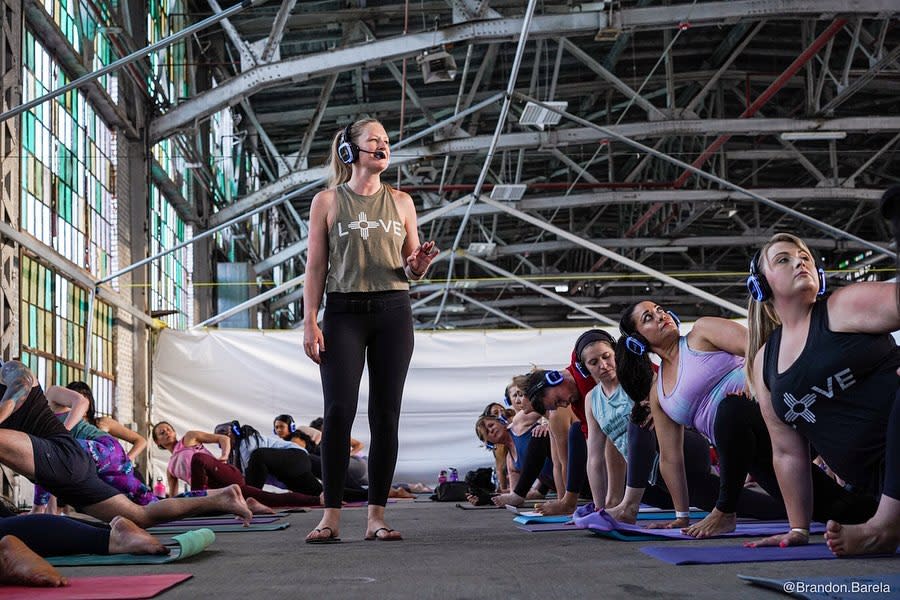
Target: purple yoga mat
[715, 555]
[602, 522]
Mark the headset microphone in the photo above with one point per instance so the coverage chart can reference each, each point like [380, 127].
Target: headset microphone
[377, 154]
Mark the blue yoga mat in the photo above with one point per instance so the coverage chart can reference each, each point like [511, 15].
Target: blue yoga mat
[831, 587]
[716, 555]
[529, 519]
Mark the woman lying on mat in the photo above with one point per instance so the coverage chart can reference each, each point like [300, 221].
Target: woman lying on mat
[113, 465]
[258, 456]
[611, 414]
[701, 384]
[825, 374]
[192, 463]
[34, 443]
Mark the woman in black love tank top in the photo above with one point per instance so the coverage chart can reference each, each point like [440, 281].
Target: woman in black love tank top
[824, 371]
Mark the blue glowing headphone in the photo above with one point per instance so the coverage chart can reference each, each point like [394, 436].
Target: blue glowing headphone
[347, 150]
[236, 428]
[758, 285]
[636, 344]
[550, 379]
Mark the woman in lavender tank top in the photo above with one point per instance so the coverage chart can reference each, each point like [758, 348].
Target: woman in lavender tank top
[700, 385]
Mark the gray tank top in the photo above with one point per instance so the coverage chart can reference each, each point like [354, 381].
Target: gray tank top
[365, 244]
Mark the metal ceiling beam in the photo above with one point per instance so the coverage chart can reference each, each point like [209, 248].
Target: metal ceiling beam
[287, 285]
[624, 88]
[565, 137]
[709, 13]
[834, 231]
[492, 310]
[860, 82]
[274, 39]
[369, 55]
[627, 262]
[724, 241]
[161, 180]
[535, 287]
[769, 92]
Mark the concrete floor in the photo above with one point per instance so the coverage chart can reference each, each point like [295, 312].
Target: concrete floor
[452, 553]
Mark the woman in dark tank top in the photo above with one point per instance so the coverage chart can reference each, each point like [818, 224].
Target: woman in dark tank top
[825, 374]
[363, 251]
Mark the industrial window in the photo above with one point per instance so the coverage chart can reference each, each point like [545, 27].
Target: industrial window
[68, 169]
[53, 326]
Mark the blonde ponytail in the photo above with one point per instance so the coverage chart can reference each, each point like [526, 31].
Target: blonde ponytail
[340, 171]
[762, 319]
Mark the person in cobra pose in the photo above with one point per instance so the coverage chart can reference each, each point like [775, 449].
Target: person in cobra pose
[702, 384]
[824, 370]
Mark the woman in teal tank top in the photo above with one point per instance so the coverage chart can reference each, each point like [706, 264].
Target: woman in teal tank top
[363, 251]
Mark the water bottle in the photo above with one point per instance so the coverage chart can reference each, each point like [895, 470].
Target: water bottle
[454, 474]
[159, 490]
[494, 481]
[442, 478]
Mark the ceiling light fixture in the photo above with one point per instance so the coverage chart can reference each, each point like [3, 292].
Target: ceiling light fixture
[797, 136]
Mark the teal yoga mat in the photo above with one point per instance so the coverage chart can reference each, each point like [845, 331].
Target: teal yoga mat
[186, 544]
[223, 528]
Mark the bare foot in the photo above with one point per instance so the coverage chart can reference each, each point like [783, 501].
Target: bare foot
[624, 513]
[533, 494]
[127, 538]
[258, 508]
[511, 499]
[715, 523]
[230, 500]
[865, 538]
[400, 493]
[19, 565]
[555, 507]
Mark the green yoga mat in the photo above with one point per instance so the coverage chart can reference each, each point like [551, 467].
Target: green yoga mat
[186, 544]
[223, 528]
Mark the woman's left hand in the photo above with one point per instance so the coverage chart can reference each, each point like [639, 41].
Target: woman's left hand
[782, 540]
[420, 258]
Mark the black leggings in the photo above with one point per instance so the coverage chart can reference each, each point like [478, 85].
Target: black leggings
[51, 535]
[353, 492]
[703, 484]
[536, 454]
[744, 446]
[364, 328]
[576, 465]
[291, 467]
[892, 456]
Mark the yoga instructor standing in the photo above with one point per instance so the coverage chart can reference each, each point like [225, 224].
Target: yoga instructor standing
[363, 250]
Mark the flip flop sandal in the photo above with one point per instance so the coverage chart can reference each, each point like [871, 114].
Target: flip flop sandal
[331, 539]
[383, 538]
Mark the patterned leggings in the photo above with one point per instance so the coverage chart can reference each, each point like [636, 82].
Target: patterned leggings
[114, 467]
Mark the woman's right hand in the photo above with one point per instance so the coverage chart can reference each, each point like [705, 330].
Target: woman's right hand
[313, 341]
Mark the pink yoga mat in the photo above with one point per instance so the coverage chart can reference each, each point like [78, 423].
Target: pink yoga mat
[125, 587]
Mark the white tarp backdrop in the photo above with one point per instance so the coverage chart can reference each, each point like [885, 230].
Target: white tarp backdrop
[204, 378]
